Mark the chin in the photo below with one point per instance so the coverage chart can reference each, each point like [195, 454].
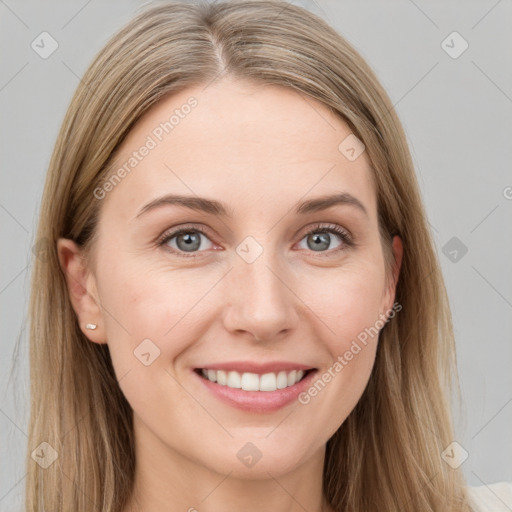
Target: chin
[254, 460]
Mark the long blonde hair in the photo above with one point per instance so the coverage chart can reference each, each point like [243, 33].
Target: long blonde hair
[387, 454]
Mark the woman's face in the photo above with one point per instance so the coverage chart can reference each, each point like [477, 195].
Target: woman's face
[251, 292]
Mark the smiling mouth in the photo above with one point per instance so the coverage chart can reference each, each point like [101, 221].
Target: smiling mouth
[248, 381]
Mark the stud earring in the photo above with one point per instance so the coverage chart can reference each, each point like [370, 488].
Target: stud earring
[91, 326]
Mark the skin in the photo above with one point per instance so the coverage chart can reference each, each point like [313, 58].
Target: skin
[260, 150]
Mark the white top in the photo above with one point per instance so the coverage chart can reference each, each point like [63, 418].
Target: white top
[495, 497]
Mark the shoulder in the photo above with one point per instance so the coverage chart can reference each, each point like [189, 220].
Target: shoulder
[496, 497]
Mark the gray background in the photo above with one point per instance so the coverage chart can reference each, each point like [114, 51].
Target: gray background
[456, 113]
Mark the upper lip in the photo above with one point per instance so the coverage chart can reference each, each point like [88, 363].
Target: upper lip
[253, 367]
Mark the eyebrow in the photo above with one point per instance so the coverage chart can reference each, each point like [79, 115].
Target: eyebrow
[214, 207]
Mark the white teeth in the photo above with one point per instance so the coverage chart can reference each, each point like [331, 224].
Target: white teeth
[252, 381]
[282, 380]
[268, 382]
[234, 380]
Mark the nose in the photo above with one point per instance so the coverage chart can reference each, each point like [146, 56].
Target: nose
[259, 300]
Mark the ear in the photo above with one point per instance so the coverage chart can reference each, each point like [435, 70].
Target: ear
[82, 289]
[397, 248]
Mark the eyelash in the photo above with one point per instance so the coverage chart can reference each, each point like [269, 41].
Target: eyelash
[319, 228]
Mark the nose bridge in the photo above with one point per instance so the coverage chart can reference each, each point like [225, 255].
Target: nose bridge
[259, 300]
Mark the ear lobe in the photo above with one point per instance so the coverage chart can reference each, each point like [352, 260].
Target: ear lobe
[81, 289]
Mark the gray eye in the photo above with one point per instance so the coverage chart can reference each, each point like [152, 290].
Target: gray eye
[188, 241]
[320, 241]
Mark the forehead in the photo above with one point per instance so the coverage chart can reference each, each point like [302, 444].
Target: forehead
[236, 140]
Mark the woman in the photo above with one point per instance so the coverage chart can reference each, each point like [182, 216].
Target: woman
[241, 307]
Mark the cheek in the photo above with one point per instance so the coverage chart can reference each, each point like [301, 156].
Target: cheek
[149, 321]
[350, 306]
[162, 306]
[349, 303]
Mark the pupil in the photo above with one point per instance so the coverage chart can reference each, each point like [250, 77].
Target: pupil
[319, 239]
[192, 241]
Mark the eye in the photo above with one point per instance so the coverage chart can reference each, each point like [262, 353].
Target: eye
[189, 239]
[184, 240]
[320, 237]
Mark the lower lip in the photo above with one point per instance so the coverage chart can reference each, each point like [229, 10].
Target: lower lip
[258, 401]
